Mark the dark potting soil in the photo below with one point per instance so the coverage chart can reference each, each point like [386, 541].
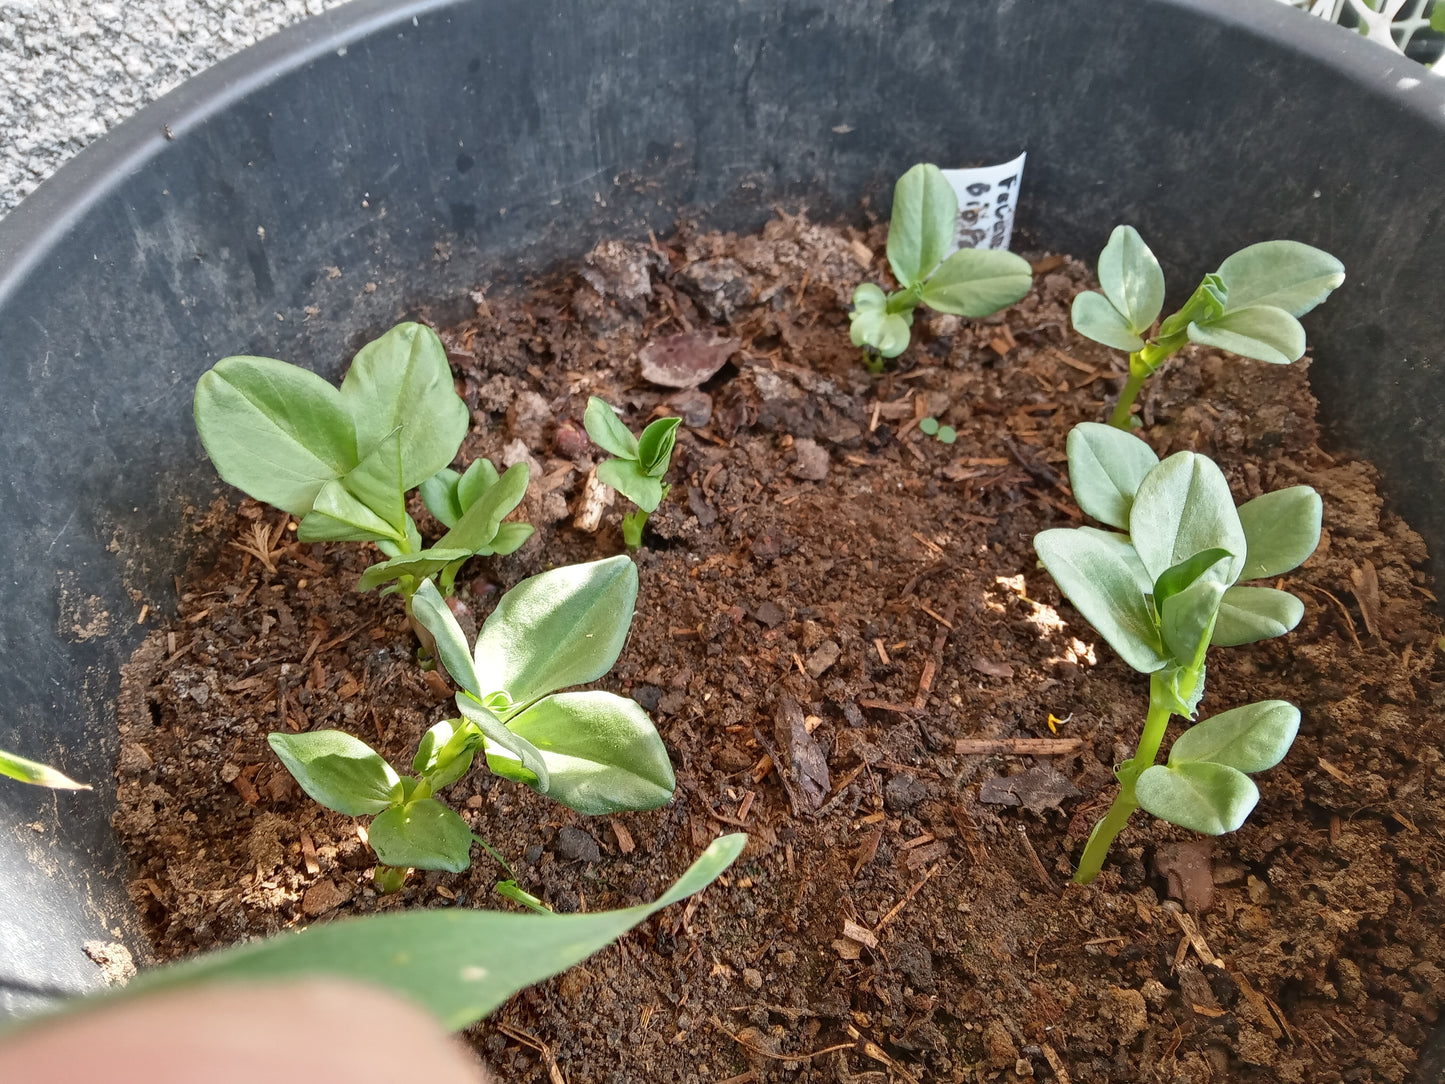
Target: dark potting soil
[847, 644]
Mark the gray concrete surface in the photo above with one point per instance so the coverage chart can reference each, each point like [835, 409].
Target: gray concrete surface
[72, 69]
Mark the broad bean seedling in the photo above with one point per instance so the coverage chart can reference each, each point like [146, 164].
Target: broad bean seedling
[1161, 594]
[593, 751]
[639, 464]
[1250, 306]
[971, 282]
[342, 461]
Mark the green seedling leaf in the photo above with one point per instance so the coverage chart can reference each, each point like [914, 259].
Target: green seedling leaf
[978, 281]
[1104, 579]
[1132, 279]
[274, 430]
[925, 209]
[1263, 333]
[1185, 574]
[377, 482]
[439, 494]
[1183, 507]
[499, 739]
[607, 431]
[1283, 529]
[421, 565]
[457, 964]
[1204, 306]
[1183, 688]
[479, 522]
[625, 476]
[402, 381]
[947, 434]
[445, 753]
[478, 478]
[40, 775]
[339, 771]
[338, 516]
[557, 629]
[1208, 798]
[1095, 318]
[928, 426]
[423, 834]
[1285, 275]
[1249, 614]
[1186, 620]
[509, 538]
[654, 447]
[1106, 466]
[872, 325]
[436, 617]
[602, 752]
[1252, 738]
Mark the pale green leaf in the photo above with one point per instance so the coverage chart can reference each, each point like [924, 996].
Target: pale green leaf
[869, 298]
[886, 332]
[1095, 318]
[1248, 614]
[439, 494]
[497, 736]
[1208, 798]
[274, 430]
[1187, 618]
[976, 282]
[557, 629]
[1282, 528]
[509, 538]
[1262, 333]
[1103, 578]
[478, 478]
[1286, 275]
[445, 752]
[34, 772]
[456, 963]
[1132, 279]
[603, 754]
[426, 563]
[1106, 466]
[341, 772]
[625, 476]
[925, 211]
[1185, 573]
[402, 381]
[1252, 738]
[479, 522]
[1183, 507]
[607, 431]
[428, 607]
[338, 516]
[377, 482]
[424, 834]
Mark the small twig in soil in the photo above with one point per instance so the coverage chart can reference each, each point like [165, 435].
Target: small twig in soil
[1040, 471]
[897, 907]
[1022, 747]
[1048, 881]
[763, 1052]
[553, 1072]
[1349, 621]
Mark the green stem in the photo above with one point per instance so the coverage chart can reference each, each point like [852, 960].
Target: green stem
[1156, 724]
[632, 524]
[1143, 363]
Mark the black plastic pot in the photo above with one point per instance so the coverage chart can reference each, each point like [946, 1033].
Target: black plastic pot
[421, 148]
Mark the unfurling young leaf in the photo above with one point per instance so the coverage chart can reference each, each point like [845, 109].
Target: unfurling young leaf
[1250, 306]
[970, 282]
[1160, 596]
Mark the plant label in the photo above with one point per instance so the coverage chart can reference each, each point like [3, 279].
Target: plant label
[987, 196]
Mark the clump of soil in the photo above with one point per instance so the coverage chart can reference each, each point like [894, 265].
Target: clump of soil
[847, 644]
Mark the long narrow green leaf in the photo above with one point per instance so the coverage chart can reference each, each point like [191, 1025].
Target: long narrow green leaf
[428, 607]
[456, 964]
[32, 771]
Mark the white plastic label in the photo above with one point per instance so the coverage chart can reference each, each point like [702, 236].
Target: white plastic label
[986, 199]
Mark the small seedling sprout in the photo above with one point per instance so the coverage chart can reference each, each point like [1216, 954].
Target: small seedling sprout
[343, 460]
[946, 434]
[1161, 595]
[1250, 306]
[593, 751]
[638, 465]
[971, 282]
